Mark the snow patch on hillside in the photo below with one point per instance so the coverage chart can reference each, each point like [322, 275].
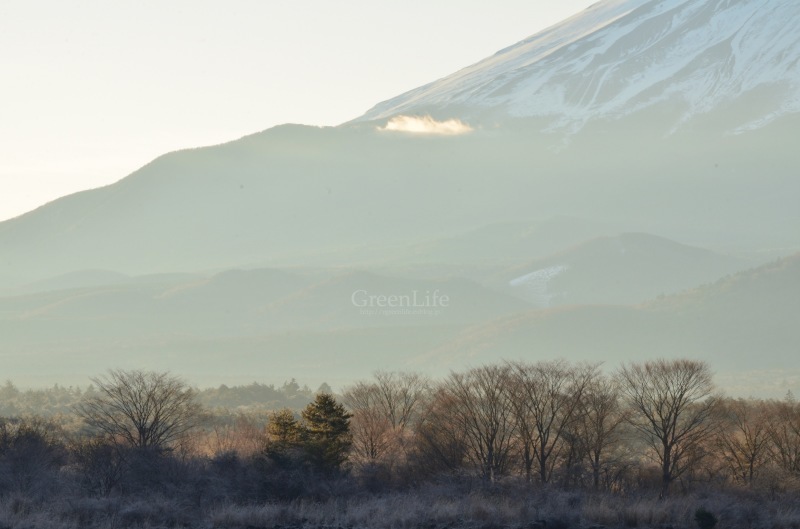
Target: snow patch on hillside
[535, 284]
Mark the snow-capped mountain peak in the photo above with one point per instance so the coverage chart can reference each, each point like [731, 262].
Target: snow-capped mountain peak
[623, 56]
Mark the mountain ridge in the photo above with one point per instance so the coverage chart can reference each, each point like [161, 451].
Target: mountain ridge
[217, 257]
[617, 58]
[627, 269]
[746, 321]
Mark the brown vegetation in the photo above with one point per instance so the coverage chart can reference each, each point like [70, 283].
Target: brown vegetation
[517, 445]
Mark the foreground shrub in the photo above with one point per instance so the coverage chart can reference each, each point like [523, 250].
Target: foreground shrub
[704, 519]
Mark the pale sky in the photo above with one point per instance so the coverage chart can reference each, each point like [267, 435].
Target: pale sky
[91, 90]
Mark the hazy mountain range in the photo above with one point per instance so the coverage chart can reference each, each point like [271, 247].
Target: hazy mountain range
[627, 269]
[569, 196]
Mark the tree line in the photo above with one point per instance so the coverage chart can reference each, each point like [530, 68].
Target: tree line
[60, 400]
[658, 428]
[647, 425]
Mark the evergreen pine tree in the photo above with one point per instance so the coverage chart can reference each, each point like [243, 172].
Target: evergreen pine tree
[326, 433]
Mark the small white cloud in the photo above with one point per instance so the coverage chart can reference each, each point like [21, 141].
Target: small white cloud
[426, 125]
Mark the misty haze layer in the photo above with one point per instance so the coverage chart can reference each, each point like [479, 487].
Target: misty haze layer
[617, 186]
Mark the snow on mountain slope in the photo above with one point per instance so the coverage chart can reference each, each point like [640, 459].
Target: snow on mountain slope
[535, 284]
[621, 56]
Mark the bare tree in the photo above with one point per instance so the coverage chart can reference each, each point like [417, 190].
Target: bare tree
[141, 409]
[383, 412]
[744, 438]
[31, 453]
[672, 405]
[400, 396]
[598, 423]
[439, 441]
[481, 406]
[372, 436]
[546, 397]
[370, 426]
[242, 435]
[99, 465]
[784, 432]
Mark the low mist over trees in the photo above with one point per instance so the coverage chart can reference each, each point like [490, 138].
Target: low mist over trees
[656, 429]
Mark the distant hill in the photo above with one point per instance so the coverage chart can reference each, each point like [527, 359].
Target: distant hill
[283, 322]
[302, 196]
[742, 322]
[625, 269]
[500, 243]
[321, 317]
[77, 279]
